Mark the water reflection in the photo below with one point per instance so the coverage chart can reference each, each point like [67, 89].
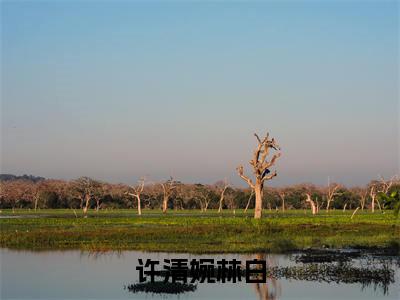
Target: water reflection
[270, 290]
[339, 267]
[112, 275]
[161, 287]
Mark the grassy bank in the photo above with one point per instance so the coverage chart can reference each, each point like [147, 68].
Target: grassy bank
[192, 231]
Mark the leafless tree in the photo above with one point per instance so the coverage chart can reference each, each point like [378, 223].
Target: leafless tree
[168, 187]
[261, 171]
[222, 186]
[204, 196]
[354, 212]
[362, 194]
[386, 185]
[84, 188]
[373, 193]
[137, 191]
[312, 203]
[248, 201]
[331, 192]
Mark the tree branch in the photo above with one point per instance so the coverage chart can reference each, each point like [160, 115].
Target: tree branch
[244, 177]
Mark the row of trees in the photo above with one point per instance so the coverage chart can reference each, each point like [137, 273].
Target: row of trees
[86, 193]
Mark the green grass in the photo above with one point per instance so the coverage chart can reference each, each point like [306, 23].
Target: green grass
[193, 231]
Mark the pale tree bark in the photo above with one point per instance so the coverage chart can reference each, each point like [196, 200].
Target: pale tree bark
[372, 194]
[85, 189]
[354, 212]
[137, 191]
[312, 203]
[203, 196]
[36, 201]
[363, 193]
[86, 207]
[204, 202]
[168, 188]
[330, 194]
[386, 185]
[261, 171]
[248, 201]
[382, 187]
[270, 290]
[222, 194]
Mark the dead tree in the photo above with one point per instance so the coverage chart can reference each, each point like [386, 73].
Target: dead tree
[354, 212]
[363, 194]
[223, 188]
[331, 192]
[313, 206]
[137, 191]
[372, 194]
[261, 171]
[85, 188]
[168, 187]
[386, 185]
[377, 187]
[204, 196]
[248, 201]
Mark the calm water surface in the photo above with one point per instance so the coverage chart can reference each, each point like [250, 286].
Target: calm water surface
[83, 275]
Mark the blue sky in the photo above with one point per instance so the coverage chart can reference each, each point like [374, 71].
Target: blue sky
[117, 90]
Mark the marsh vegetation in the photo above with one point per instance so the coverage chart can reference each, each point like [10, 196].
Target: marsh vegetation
[196, 231]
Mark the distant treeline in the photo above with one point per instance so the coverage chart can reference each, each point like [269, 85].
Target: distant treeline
[29, 191]
[6, 177]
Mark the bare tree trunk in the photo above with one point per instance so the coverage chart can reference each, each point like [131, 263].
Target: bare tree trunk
[168, 188]
[137, 192]
[379, 204]
[221, 199]
[97, 205]
[258, 191]
[331, 193]
[165, 204]
[261, 169]
[139, 205]
[87, 201]
[373, 203]
[344, 208]
[248, 202]
[355, 212]
[313, 207]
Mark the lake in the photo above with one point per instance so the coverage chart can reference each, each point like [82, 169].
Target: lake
[83, 275]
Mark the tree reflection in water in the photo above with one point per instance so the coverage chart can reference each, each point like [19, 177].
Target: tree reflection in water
[339, 267]
[271, 290]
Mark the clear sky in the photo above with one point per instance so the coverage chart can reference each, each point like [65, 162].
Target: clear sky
[117, 90]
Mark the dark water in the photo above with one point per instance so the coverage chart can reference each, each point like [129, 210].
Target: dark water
[83, 275]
